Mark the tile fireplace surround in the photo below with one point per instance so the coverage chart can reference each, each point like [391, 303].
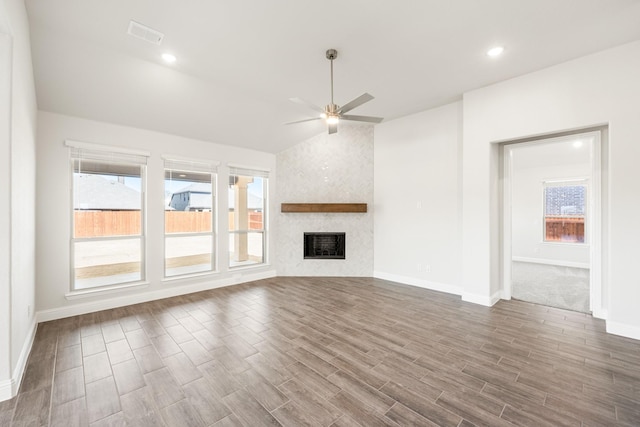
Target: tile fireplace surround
[327, 169]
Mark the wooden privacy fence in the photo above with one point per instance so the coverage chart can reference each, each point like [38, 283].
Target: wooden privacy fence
[564, 229]
[127, 223]
[187, 222]
[106, 223]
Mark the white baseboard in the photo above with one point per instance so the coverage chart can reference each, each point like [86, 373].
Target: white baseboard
[129, 299]
[600, 313]
[6, 390]
[9, 388]
[558, 263]
[421, 283]
[623, 329]
[18, 372]
[441, 287]
[487, 301]
[497, 297]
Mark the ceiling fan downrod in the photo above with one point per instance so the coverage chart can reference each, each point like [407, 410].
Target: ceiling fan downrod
[331, 55]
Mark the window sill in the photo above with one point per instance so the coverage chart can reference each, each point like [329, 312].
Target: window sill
[249, 267]
[560, 243]
[189, 276]
[88, 293]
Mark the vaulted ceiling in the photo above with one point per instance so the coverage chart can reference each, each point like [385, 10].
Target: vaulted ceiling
[238, 62]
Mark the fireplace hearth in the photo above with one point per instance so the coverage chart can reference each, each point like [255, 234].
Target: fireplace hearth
[324, 245]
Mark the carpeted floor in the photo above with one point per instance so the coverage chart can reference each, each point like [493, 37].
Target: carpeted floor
[551, 285]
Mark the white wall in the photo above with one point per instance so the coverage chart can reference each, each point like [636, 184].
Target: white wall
[334, 168]
[417, 220]
[18, 112]
[532, 165]
[54, 212]
[5, 215]
[597, 89]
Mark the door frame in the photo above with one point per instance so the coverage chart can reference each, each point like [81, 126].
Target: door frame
[594, 222]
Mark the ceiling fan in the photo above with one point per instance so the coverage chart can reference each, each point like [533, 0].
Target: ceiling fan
[333, 113]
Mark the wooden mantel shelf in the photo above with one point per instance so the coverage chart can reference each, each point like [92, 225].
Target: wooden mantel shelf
[324, 207]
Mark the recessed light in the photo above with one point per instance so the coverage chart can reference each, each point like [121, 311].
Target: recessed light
[495, 51]
[168, 58]
[182, 175]
[577, 144]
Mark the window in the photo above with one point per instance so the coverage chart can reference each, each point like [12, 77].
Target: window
[247, 216]
[108, 216]
[189, 242]
[564, 212]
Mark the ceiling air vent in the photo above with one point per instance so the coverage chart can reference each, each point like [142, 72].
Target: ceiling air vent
[145, 33]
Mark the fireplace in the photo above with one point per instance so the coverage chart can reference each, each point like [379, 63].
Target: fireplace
[324, 245]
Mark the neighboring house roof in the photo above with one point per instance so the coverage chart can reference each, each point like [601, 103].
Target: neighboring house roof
[198, 187]
[94, 192]
[200, 200]
[200, 197]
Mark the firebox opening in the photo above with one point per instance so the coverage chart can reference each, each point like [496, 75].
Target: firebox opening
[324, 245]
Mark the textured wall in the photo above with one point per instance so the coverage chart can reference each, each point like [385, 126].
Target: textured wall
[327, 169]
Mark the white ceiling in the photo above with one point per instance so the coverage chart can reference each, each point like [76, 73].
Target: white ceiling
[239, 61]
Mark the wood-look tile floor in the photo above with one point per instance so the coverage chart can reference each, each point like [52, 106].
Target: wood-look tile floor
[327, 352]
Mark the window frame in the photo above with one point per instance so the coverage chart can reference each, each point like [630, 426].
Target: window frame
[569, 182]
[193, 166]
[106, 154]
[237, 170]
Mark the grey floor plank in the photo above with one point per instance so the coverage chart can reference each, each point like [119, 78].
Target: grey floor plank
[102, 399]
[328, 352]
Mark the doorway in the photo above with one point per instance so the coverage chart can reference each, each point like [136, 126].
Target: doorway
[552, 221]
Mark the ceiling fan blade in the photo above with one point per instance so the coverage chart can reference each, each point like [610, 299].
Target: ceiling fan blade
[304, 120]
[333, 128]
[369, 119]
[307, 104]
[365, 97]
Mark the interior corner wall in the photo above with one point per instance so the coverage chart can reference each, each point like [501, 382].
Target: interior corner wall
[5, 216]
[417, 221]
[599, 89]
[334, 168]
[54, 210]
[18, 116]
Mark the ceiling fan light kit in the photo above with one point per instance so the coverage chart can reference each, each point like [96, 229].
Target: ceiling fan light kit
[332, 113]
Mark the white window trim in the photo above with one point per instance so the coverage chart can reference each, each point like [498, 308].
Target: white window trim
[80, 293]
[193, 165]
[265, 174]
[186, 164]
[103, 147]
[248, 167]
[109, 289]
